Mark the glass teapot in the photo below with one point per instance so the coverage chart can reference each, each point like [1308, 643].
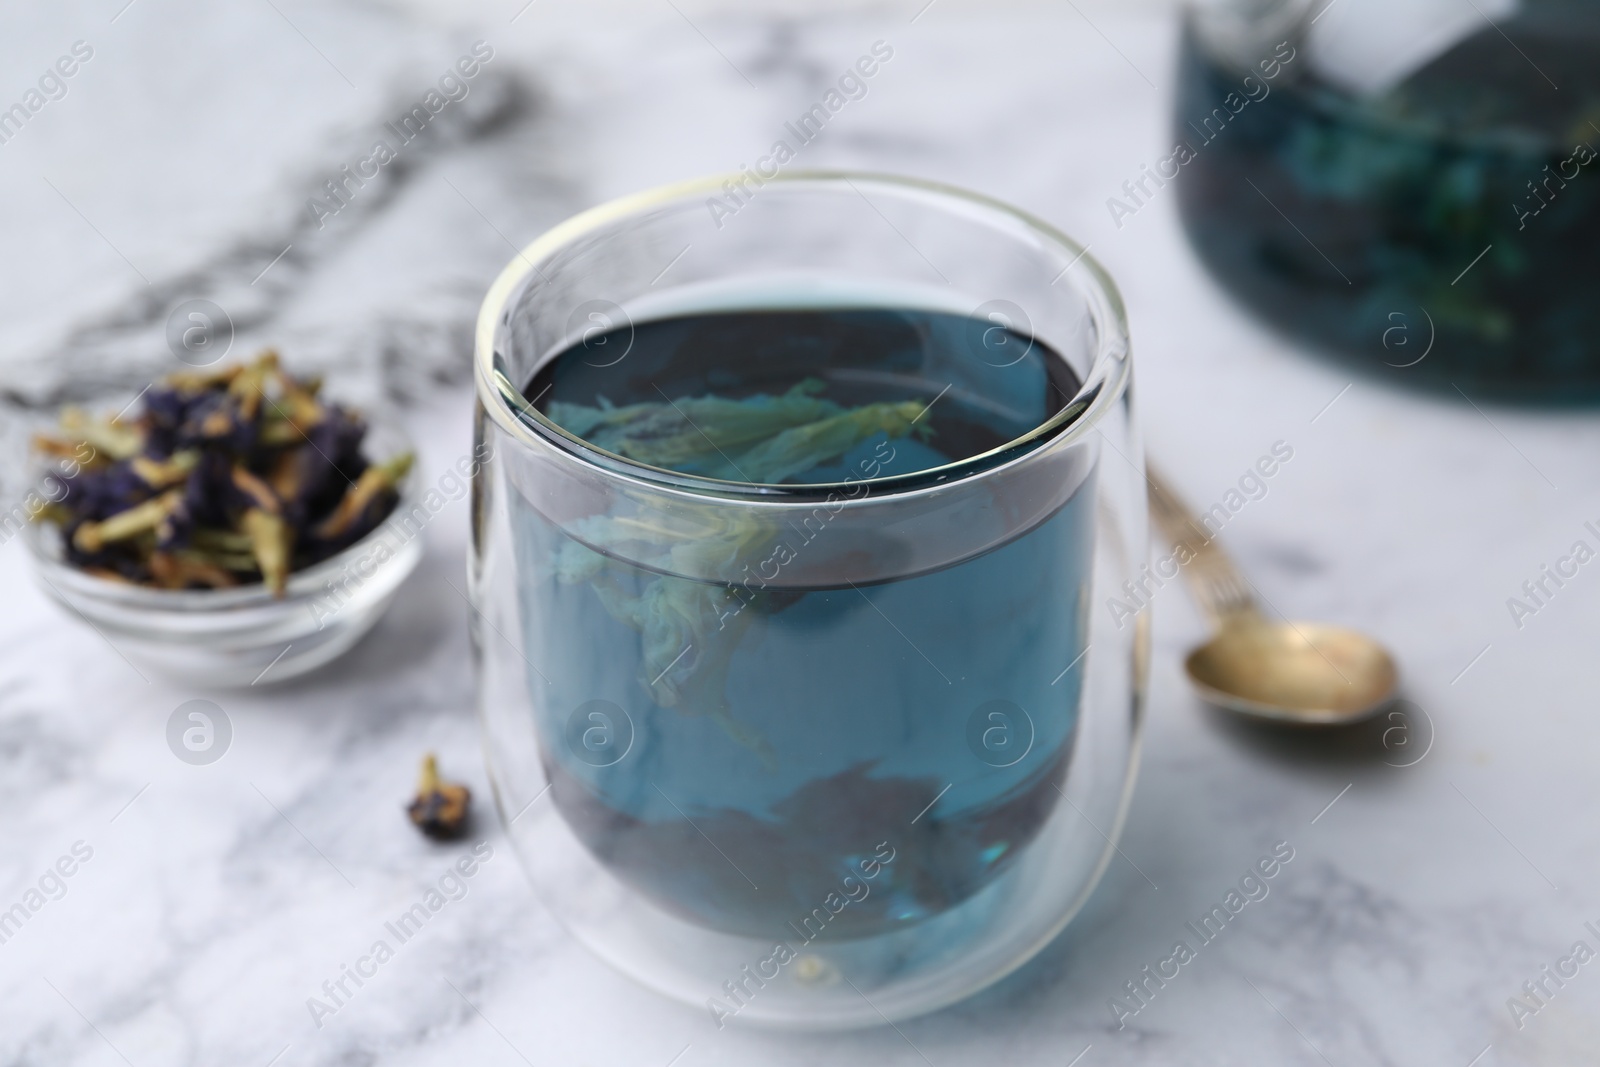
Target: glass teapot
[1408, 184]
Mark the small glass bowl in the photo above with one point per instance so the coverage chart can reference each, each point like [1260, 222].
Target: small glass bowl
[238, 637]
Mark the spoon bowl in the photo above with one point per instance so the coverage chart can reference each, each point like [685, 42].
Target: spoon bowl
[1304, 673]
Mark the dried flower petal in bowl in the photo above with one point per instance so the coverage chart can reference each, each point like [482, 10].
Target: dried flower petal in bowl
[236, 525]
[227, 478]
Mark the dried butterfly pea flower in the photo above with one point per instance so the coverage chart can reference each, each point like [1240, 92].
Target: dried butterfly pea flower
[177, 529]
[210, 493]
[236, 562]
[112, 437]
[211, 418]
[260, 494]
[180, 570]
[249, 386]
[142, 518]
[109, 575]
[226, 477]
[440, 809]
[373, 482]
[339, 438]
[77, 454]
[222, 541]
[336, 461]
[166, 410]
[281, 432]
[295, 405]
[287, 480]
[160, 474]
[271, 540]
[103, 492]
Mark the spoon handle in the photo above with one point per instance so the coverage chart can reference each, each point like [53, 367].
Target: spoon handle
[1220, 588]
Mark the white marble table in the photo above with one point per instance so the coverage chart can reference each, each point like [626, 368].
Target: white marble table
[219, 898]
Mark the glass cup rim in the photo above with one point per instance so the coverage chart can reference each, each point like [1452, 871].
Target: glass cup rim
[1102, 386]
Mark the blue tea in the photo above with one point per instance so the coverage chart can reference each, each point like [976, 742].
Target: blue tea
[1439, 226]
[748, 753]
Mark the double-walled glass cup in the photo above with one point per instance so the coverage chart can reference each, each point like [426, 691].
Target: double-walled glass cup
[813, 755]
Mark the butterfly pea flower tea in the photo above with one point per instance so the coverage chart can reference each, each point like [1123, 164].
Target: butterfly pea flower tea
[794, 562]
[1409, 186]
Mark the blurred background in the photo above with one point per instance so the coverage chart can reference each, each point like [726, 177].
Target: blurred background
[1306, 278]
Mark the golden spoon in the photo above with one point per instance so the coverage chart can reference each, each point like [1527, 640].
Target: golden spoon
[1305, 673]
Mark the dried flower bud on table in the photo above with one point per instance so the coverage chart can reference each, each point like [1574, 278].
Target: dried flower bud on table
[440, 808]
